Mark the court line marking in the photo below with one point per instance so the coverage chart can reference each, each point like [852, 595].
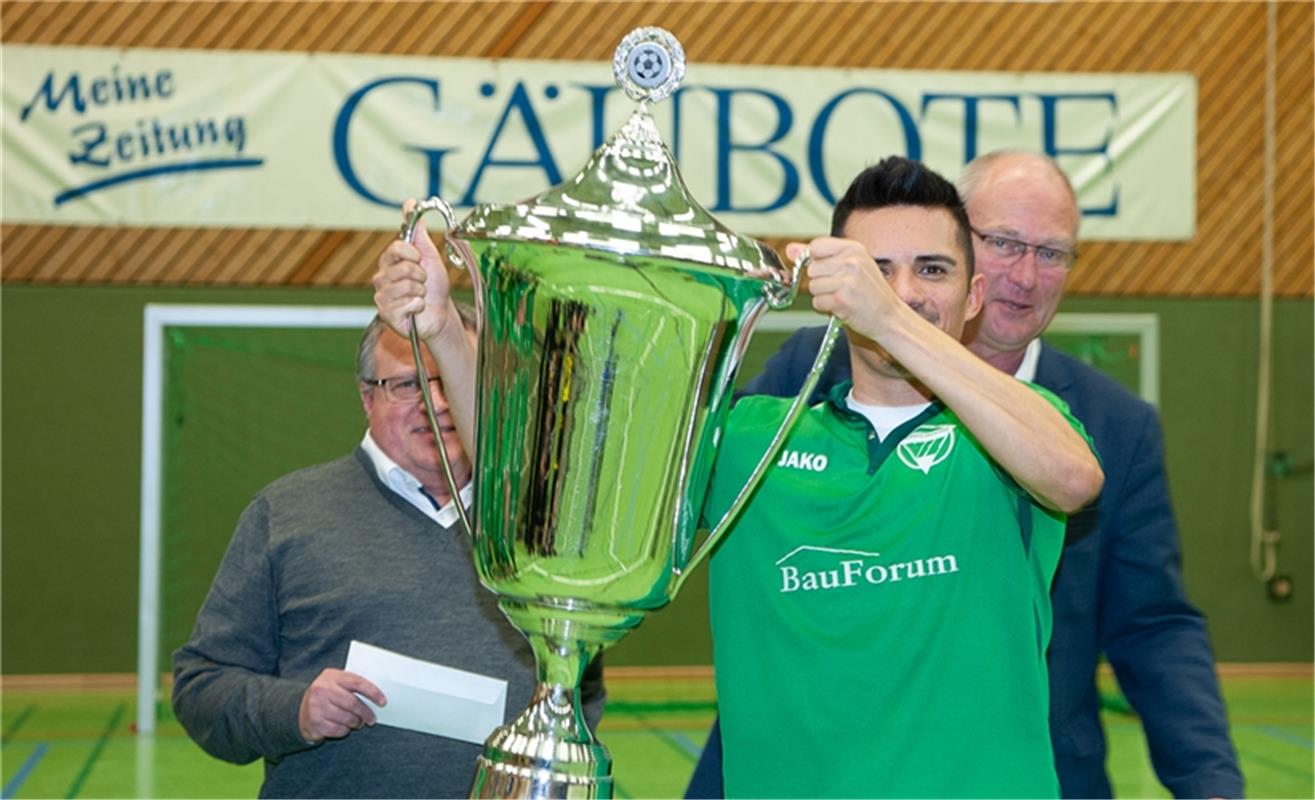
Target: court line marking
[1246, 756]
[676, 741]
[96, 750]
[30, 764]
[18, 722]
[641, 707]
[684, 741]
[1286, 736]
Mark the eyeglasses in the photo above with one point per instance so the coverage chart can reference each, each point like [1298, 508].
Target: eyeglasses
[404, 389]
[1014, 249]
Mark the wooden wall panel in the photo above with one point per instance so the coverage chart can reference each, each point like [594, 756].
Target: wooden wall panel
[1223, 44]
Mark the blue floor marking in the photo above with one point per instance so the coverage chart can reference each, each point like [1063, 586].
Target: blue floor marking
[1287, 736]
[690, 747]
[30, 764]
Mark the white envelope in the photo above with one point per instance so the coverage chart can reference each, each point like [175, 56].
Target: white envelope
[430, 698]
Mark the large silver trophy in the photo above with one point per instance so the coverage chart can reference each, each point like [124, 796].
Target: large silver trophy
[613, 314]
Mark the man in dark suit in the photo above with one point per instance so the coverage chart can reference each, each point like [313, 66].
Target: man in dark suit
[1118, 591]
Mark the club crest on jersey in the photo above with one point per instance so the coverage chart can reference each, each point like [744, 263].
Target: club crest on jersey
[796, 460]
[926, 446]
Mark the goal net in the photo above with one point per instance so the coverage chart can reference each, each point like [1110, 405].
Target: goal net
[233, 397]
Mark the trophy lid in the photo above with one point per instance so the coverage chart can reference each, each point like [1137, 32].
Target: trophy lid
[630, 199]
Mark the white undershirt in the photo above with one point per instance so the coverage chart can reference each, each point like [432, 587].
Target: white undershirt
[885, 419]
[409, 487]
[1027, 370]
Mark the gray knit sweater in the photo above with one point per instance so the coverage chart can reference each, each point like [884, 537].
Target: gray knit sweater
[323, 556]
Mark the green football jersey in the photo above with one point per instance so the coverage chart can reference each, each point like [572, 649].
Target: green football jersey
[880, 611]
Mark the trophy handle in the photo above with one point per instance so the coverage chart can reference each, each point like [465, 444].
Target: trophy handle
[797, 407]
[408, 233]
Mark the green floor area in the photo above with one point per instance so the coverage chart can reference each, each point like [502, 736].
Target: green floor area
[65, 745]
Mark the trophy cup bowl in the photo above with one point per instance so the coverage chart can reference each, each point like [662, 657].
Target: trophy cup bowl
[613, 314]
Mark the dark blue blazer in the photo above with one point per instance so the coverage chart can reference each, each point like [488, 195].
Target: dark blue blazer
[1118, 591]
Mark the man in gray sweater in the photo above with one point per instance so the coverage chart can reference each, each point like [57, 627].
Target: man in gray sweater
[366, 547]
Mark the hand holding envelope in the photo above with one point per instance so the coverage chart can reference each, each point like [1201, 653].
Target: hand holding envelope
[427, 697]
[335, 704]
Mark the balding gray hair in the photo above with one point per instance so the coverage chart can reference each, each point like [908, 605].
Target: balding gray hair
[370, 340]
[972, 174]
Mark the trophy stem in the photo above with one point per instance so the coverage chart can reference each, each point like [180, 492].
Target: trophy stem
[548, 751]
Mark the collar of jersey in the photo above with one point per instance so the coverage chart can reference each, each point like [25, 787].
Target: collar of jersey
[878, 449]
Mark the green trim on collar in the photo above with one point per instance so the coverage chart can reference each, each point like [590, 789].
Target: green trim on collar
[878, 449]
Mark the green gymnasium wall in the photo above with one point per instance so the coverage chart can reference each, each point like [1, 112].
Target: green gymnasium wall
[70, 366]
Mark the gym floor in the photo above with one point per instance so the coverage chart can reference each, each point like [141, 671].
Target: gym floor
[78, 740]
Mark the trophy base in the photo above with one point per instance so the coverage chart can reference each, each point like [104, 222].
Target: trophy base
[546, 752]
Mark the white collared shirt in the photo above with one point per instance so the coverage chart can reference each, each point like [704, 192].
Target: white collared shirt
[409, 487]
[1027, 370]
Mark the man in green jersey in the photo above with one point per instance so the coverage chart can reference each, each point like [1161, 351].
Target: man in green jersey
[881, 611]
[900, 553]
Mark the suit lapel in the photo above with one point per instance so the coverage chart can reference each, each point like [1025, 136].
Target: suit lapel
[1051, 372]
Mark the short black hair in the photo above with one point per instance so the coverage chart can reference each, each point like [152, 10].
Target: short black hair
[899, 181]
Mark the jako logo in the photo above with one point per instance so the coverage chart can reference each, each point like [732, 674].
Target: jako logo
[926, 446]
[850, 571]
[814, 461]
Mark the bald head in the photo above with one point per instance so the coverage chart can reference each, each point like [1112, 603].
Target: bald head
[990, 177]
[1020, 197]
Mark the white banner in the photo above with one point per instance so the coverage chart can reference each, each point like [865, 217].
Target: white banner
[248, 139]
